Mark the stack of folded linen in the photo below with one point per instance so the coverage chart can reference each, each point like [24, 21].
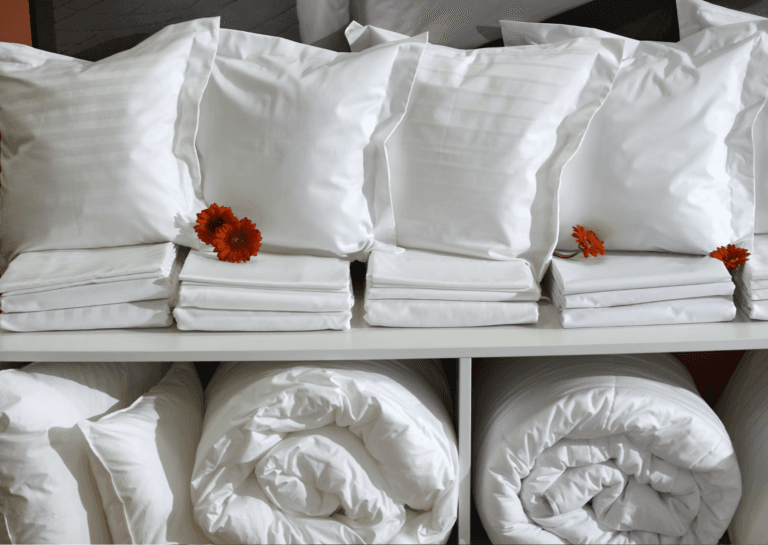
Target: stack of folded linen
[428, 289]
[271, 292]
[98, 288]
[639, 288]
[752, 281]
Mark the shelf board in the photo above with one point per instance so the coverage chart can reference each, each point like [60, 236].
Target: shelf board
[544, 338]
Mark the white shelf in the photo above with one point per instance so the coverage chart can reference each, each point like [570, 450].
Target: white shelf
[546, 337]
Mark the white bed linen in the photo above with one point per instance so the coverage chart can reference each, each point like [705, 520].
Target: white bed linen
[431, 313]
[677, 311]
[533, 294]
[743, 407]
[236, 298]
[268, 271]
[756, 310]
[201, 319]
[628, 432]
[633, 297]
[433, 270]
[756, 267]
[53, 269]
[635, 270]
[155, 313]
[369, 437]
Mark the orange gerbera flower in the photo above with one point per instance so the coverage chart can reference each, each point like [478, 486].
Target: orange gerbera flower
[588, 241]
[236, 243]
[731, 256]
[211, 219]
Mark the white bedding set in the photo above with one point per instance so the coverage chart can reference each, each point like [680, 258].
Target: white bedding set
[743, 407]
[98, 288]
[271, 292]
[639, 288]
[600, 449]
[752, 281]
[417, 288]
[316, 452]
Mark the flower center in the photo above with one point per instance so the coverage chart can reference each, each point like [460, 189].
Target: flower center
[237, 239]
[215, 223]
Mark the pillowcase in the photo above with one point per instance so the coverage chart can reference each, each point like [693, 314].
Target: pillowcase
[696, 15]
[47, 493]
[474, 167]
[667, 162]
[102, 154]
[142, 458]
[283, 131]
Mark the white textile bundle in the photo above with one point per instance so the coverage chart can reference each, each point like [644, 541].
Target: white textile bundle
[325, 452]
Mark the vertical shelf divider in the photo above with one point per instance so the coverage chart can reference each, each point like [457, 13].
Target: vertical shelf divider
[465, 447]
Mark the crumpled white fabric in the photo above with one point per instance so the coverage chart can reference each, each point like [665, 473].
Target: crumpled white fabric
[676, 311]
[431, 313]
[743, 407]
[103, 291]
[325, 452]
[600, 449]
[204, 319]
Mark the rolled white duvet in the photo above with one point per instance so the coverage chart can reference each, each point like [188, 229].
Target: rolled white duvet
[326, 452]
[600, 449]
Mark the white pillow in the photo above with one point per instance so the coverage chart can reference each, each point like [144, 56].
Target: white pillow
[102, 154]
[474, 167]
[696, 15]
[283, 129]
[142, 458]
[667, 163]
[47, 493]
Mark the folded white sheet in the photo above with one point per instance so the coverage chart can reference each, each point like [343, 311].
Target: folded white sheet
[423, 269]
[756, 310]
[533, 294]
[53, 269]
[269, 271]
[635, 270]
[237, 298]
[427, 313]
[743, 407]
[325, 452]
[155, 313]
[744, 285]
[633, 297]
[201, 319]
[106, 293]
[677, 311]
[599, 449]
[756, 267]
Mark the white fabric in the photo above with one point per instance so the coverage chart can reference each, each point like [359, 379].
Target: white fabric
[144, 455]
[635, 270]
[677, 311]
[163, 286]
[268, 271]
[430, 270]
[103, 154]
[156, 313]
[283, 129]
[600, 449]
[755, 310]
[455, 23]
[744, 285]
[667, 162]
[633, 297]
[236, 298]
[353, 444]
[533, 294]
[743, 407]
[696, 15]
[431, 313]
[474, 167]
[756, 267]
[47, 493]
[201, 319]
[54, 269]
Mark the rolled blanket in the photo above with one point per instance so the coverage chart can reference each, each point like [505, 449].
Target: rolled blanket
[321, 452]
[744, 410]
[600, 449]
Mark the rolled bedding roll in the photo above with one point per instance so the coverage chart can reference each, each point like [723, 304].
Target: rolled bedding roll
[327, 452]
[599, 449]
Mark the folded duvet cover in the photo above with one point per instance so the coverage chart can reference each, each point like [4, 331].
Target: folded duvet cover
[321, 452]
[600, 449]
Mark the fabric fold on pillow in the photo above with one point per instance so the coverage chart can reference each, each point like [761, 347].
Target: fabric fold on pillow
[417, 288]
[271, 292]
[600, 449]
